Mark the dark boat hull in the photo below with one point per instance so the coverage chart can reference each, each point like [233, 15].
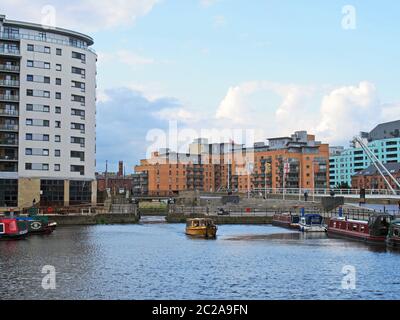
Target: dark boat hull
[285, 224]
[17, 236]
[376, 240]
[393, 242]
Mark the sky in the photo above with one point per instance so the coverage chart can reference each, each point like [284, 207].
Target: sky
[173, 70]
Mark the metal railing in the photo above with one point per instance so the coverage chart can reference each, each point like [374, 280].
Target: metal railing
[9, 158]
[324, 191]
[9, 97]
[6, 112]
[15, 52]
[9, 142]
[9, 83]
[19, 36]
[9, 127]
[6, 67]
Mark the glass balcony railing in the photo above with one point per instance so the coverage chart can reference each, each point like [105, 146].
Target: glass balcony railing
[8, 127]
[9, 142]
[7, 67]
[6, 112]
[14, 52]
[19, 36]
[9, 157]
[9, 97]
[9, 83]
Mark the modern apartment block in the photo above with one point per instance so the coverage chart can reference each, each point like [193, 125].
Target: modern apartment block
[286, 162]
[47, 116]
[383, 141]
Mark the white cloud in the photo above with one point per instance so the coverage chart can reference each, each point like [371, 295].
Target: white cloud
[207, 3]
[178, 114]
[219, 21]
[347, 110]
[82, 15]
[334, 114]
[132, 59]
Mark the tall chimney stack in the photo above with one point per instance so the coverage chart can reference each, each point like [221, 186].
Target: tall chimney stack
[120, 169]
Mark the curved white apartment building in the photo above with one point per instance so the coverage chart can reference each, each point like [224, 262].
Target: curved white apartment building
[47, 116]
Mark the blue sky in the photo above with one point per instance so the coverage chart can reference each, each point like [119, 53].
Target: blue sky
[272, 66]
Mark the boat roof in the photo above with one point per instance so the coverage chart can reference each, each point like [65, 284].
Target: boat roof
[198, 219]
[312, 215]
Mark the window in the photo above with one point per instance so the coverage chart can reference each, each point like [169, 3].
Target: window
[58, 67]
[57, 153]
[37, 166]
[57, 138]
[37, 122]
[58, 51]
[30, 47]
[78, 154]
[80, 169]
[58, 124]
[38, 93]
[56, 167]
[41, 79]
[78, 112]
[79, 85]
[80, 56]
[58, 109]
[37, 137]
[58, 95]
[37, 108]
[28, 151]
[38, 64]
[77, 98]
[58, 81]
[28, 136]
[79, 71]
[78, 140]
[78, 126]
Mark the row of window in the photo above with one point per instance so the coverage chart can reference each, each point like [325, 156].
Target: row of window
[57, 167]
[46, 65]
[46, 123]
[57, 138]
[45, 79]
[57, 153]
[57, 109]
[45, 49]
[46, 94]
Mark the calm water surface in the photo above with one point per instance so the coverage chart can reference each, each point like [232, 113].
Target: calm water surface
[158, 261]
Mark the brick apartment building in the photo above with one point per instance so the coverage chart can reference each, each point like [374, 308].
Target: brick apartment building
[285, 162]
[370, 178]
[135, 183]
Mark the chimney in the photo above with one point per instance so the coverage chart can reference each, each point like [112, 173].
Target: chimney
[120, 169]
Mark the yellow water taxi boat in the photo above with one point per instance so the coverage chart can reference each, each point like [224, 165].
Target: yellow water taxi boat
[201, 227]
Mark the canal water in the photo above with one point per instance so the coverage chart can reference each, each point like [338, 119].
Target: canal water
[158, 261]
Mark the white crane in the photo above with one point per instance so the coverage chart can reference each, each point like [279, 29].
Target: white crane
[378, 164]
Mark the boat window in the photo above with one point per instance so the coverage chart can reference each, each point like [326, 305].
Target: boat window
[334, 224]
[396, 232]
[1, 228]
[355, 227]
[362, 228]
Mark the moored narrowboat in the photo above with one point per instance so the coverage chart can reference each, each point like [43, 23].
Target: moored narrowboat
[393, 237]
[373, 231]
[38, 225]
[286, 220]
[312, 223]
[12, 229]
[201, 227]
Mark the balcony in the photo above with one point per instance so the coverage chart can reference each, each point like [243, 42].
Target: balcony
[9, 97]
[9, 52]
[9, 113]
[9, 83]
[9, 36]
[8, 158]
[9, 142]
[8, 127]
[9, 68]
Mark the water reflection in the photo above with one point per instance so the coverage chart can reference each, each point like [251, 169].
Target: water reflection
[158, 261]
